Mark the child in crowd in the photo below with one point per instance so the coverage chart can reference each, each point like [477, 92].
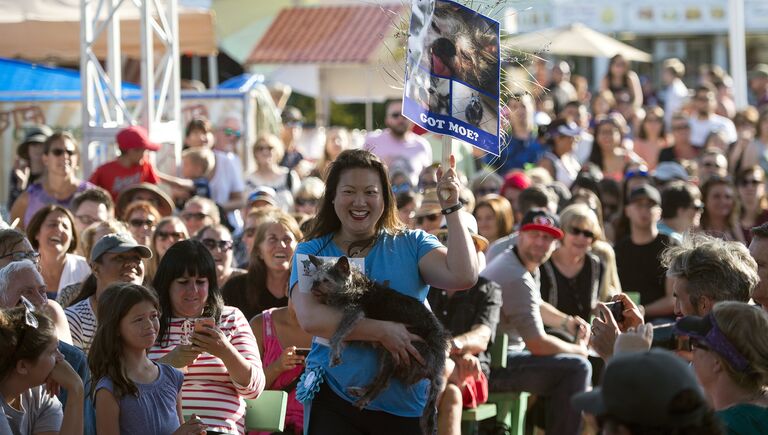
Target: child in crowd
[197, 164]
[142, 396]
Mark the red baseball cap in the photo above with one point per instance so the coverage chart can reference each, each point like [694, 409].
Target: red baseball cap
[540, 220]
[134, 137]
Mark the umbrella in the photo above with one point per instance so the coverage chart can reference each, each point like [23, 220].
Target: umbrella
[576, 40]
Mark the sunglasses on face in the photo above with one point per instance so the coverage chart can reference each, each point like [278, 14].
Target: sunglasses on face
[19, 256]
[579, 232]
[58, 152]
[750, 182]
[307, 201]
[264, 148]
[212, 244]
[396, 115]
[486, 191]
[165, 235]
[681, 127]
[232, 132]
[138, 223]
[195, 216]
[430, 218]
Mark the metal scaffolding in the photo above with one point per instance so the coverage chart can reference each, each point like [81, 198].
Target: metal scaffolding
[105, 107]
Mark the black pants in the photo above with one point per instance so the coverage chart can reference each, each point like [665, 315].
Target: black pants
[330, 414]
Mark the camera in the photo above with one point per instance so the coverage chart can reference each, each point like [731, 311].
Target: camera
[617, 310]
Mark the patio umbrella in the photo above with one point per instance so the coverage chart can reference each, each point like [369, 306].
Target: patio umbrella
[576, 40]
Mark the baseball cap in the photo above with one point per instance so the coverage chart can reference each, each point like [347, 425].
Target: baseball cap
[134, 137]
[645, 191]
[481, 243]
[118, 243]
[638, 388]
[759, 71]
[263, 193]
[668, 171]
[292, 115]
[563, 128]
[705, 330]
[34, 134]
[515, 180]
[542, 220]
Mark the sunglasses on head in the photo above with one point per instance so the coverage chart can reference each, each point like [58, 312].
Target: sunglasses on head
[579, 232]
[165, 235]
[212, 244]
[429, 217]
[196, 216]
[19, 256]
[232, 132]
[58, 152]
[137, 223]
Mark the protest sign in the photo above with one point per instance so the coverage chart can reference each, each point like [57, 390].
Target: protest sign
[452, 73]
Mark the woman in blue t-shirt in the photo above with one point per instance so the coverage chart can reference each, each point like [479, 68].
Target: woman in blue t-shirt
[358, 218]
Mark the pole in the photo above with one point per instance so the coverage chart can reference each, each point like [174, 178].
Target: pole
[738, 55]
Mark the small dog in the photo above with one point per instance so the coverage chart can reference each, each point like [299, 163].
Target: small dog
[339, 285]
[474, 111]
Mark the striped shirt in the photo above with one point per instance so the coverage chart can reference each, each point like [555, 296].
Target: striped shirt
[82, 324]
[208, 390]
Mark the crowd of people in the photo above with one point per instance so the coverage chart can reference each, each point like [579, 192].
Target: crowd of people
[138, 301]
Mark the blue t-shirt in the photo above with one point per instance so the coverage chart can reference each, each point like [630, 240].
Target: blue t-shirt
[153, 411]
[394, 258]
[515, 154]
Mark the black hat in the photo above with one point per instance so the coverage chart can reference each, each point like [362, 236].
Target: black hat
[542, 221]
[645, 191]
[34, 134]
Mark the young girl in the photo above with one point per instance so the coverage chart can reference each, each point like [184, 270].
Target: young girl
[31, 359]
[143, 396]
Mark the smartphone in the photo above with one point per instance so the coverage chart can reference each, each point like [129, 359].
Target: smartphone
[303, 351]
[617, 309]
[202, 323]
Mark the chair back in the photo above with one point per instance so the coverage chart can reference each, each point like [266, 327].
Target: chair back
[266, 412]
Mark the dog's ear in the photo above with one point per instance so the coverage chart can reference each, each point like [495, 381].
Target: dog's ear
[316, 261]
[343, 266]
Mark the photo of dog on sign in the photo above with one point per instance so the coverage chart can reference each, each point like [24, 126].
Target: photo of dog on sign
[463, 46]
[474, 108]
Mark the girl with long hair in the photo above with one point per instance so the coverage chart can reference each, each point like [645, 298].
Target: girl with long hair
[750, 185]
[722, 210]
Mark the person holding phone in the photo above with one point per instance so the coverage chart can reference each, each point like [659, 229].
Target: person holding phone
[283, 346]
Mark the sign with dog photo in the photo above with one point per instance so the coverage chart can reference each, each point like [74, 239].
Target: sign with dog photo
[452, 73]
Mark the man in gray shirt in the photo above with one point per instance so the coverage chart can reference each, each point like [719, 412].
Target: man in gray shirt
[537, 362]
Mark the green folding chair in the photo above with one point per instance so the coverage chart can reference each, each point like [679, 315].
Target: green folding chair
[510, 407]
[266, 412]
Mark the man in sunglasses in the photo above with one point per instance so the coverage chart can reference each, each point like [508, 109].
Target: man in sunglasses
[398, 146]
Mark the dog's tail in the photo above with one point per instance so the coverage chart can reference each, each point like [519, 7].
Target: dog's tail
[429, 418]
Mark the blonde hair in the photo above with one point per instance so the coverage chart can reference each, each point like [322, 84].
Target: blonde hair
[739, 321]
[278, 148]
[576, 214]
[87, 239]
[201, 156]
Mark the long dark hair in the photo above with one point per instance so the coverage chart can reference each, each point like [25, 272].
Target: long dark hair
[19, 341]
[9, 238]
[615, 120]
[105, 357]
[190, 257]
[712, 182]
[327, 222]
[37, 222]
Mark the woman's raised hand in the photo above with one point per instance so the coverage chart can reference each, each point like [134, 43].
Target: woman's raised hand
[288, 359]
[448, 186]
[396, 338]
[213, 341]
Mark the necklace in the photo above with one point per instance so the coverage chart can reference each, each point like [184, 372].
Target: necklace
[354, 249]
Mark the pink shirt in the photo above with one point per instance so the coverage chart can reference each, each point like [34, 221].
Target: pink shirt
[409, 155]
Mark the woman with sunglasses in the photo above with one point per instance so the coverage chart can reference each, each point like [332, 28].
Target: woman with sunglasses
[218, 240]
[571, 279]
[59, 183]
[750, 185]
[651, 137]
[268, 151]
[731, 363]
[265, 285]
[169, 230]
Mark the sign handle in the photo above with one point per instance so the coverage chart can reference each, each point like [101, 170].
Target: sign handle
[447, 141]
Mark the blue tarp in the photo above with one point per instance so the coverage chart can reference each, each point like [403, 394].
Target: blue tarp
[24, 81]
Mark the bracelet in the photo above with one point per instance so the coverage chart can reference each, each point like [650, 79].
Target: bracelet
[452, 209]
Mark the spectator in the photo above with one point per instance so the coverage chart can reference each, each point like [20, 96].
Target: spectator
[521, 145]
[115, 258]
[577, 112]
[704, 120]
[712, 163]
[758, 249]
[550, 366]
[603, 104]
[51, 232]
[91, 206]
[28, 166]
[199, 212]
[471, 317]
[675, 92]
[721, 214]
[308, 196]
[168, 231]
[682, 148]
[609, 152]
[407, 204]
[494, 217]
[397, 146]
[750, 184]
[514, 183]
[60, 183]
[336, 140]
[218, 240]
[144, 192]
[141, 218]
[560, 161]
[681, 209]
[198, 133]
[758, 84]
[651, 137]
[293, 121]
[197, 166]
[637, 255]
[755, 154]
[652, 392]
[620, 78]
[746, 126]
[560, 86]
[667, 172]
[244, 243]
[223, 366]
[485, 182]
[428, 216]
[267, 152]
[30, 360]
[731, 364]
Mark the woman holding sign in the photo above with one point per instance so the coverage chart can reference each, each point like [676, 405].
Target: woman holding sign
[358, 218]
